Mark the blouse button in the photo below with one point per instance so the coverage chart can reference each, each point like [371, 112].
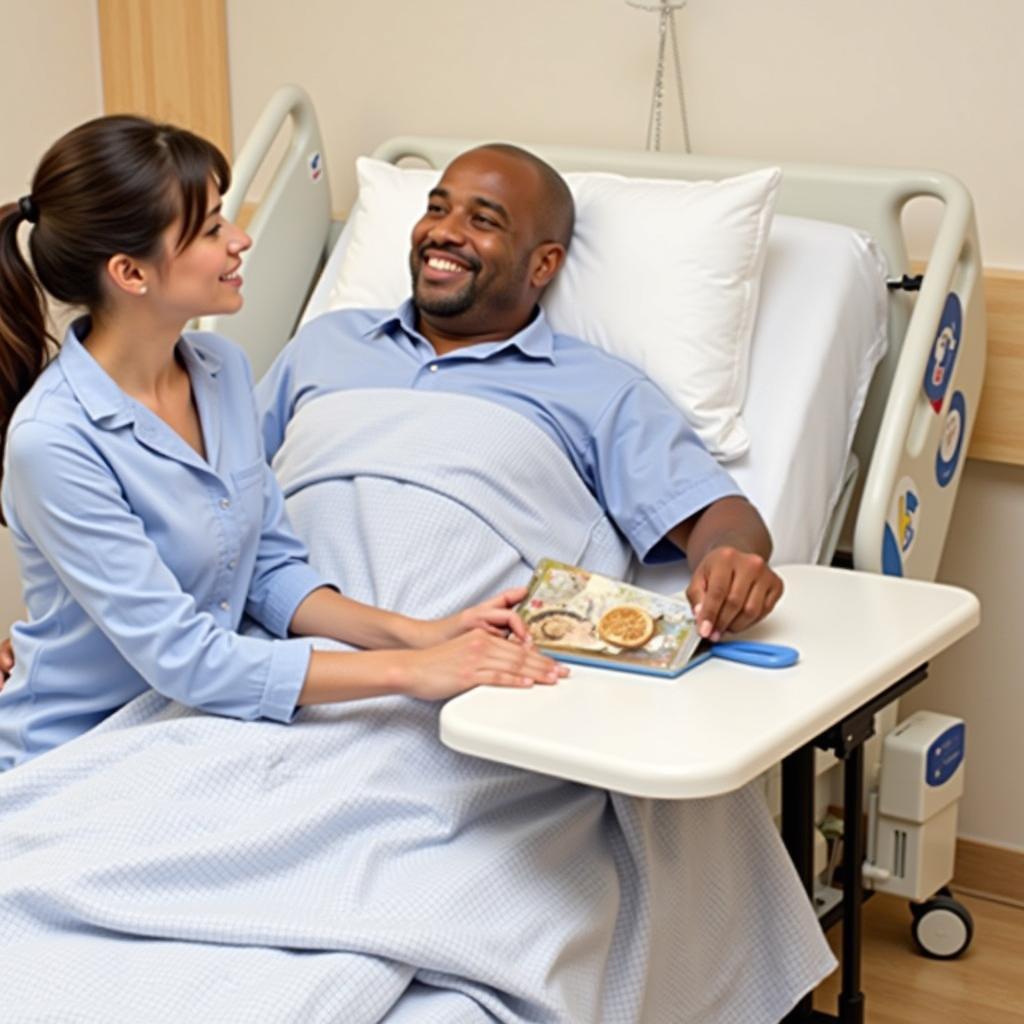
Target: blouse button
[224, 503]
[231, 564]
[433, 367]
[224, 606]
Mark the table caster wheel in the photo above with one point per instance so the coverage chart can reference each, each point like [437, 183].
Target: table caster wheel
[942, 927]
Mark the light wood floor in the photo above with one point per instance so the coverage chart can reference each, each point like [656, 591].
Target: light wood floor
[984, 986]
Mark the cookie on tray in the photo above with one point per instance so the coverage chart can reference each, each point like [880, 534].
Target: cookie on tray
[626, 625]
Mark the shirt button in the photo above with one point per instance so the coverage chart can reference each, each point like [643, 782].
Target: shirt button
[231, 564]
[433, 367]
[224, 606]
[224, 503]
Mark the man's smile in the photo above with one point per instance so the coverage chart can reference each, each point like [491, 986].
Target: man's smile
[439, 266]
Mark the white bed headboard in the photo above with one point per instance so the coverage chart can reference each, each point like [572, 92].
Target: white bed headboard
[900, 432]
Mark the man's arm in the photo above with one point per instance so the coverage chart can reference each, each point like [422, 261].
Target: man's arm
[728, 546]
[274, 398]
[665, 491]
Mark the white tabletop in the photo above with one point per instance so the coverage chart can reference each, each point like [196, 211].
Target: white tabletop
[720, 725]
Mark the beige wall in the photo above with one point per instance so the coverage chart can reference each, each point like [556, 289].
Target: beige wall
[915, 83]
[934, 83]
[49, 81]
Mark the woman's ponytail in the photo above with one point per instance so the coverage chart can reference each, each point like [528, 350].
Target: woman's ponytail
[25, 344]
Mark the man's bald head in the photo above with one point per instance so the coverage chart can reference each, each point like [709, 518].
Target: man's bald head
[556, 211]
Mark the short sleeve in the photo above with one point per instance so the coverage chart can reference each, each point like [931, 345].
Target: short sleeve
[274, 400]
[651, 470]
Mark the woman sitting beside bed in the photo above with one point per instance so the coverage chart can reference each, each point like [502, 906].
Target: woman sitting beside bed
[145, 518]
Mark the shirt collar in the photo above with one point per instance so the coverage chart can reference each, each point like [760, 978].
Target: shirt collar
[535, 340]
[104, 402]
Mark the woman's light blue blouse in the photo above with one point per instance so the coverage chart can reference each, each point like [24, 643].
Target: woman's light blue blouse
[138, 557]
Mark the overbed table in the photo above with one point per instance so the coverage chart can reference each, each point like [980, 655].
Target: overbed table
[864, 640]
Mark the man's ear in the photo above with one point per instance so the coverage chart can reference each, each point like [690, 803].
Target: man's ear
[547, 260]
[124, 274]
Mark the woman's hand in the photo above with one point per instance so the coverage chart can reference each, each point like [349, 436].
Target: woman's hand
[495, 616]
[6, 660]
[476, 658]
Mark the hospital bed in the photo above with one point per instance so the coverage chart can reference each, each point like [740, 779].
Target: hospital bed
[878, 501]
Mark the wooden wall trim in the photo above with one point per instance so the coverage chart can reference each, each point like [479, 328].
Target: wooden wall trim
[168, 59]
[986, 870]
[999, 431]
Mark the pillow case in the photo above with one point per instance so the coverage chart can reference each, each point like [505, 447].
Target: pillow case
[662, 273]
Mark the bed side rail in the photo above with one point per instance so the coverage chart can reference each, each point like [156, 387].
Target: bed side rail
[932, 402]
[289, 228]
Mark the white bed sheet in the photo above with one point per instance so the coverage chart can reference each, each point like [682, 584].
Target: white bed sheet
[821, 330]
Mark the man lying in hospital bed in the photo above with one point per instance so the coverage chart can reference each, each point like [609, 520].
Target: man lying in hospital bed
[494, 235]
[187, 864]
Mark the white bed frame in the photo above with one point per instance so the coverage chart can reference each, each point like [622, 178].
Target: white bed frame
[900, 432]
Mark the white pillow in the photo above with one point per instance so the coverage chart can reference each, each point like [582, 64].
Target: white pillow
[375, 271]
[664, 274]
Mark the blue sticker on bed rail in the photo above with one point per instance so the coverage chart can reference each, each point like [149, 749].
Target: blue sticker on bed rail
[892, 564]
[939, 370]
[951, 443]
[901, 527]
[316, 166]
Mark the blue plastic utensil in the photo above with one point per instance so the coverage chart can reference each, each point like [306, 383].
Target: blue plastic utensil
[749, 652]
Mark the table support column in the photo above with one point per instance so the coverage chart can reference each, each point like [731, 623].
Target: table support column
[851, 998]
[798, 835]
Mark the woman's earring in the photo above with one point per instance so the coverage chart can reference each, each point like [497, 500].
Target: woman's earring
[143, 289]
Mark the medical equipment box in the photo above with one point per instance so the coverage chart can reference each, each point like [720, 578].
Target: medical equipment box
[922, 778]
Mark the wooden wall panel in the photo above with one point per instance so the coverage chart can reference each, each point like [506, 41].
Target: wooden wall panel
[168, 59]
[999, 432]
[991, 871]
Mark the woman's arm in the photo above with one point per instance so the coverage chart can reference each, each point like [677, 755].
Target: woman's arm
[282, 578]
[442, 671]
[328, 613]
[449, 655]
[472, 659]
[325, 612]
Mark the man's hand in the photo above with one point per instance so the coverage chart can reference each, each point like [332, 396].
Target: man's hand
[6, 660]
[728, 547]
[495, 616]
[730, 591]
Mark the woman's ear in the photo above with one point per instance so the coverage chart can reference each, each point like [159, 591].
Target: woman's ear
[123, 274]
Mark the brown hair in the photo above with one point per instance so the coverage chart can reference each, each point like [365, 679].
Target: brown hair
[112, 185]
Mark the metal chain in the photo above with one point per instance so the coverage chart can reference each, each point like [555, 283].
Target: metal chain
[666, 10]
[658, 96]
[679, 82]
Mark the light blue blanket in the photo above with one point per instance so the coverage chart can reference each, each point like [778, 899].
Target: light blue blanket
[171, 866]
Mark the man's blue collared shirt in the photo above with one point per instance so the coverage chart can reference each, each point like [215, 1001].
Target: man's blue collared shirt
[138, 557]
[631, 446]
